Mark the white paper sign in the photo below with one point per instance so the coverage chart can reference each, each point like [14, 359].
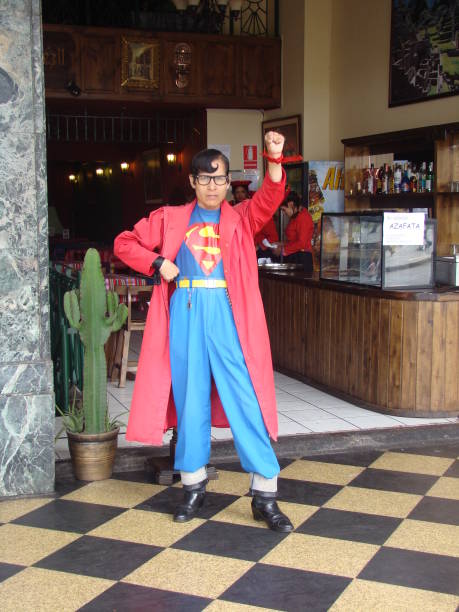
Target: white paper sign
[403, 228]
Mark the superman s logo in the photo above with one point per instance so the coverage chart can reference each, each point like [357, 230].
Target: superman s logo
[203, 240]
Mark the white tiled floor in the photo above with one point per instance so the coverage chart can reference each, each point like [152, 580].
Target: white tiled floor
[302, 409]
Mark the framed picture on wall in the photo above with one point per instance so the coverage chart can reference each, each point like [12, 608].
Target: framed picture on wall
[290, 128]
[424, 51]
[139, 63]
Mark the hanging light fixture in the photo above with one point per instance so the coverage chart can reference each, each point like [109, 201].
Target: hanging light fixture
[171, 158]
[99, 171]
[73, 178]
[207, 16]
[124, 167]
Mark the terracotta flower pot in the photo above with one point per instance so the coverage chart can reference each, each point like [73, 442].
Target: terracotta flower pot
[93, 455]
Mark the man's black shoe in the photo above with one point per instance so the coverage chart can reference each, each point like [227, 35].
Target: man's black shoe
[193, 499]
[265, 508]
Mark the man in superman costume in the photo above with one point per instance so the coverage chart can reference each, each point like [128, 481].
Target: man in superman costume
[206, 337]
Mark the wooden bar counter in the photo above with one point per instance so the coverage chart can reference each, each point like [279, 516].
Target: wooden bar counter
[393, 351]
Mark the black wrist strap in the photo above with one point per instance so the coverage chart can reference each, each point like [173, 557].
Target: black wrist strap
[158, 262]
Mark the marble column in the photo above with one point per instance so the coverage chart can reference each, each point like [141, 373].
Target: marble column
[26, 389]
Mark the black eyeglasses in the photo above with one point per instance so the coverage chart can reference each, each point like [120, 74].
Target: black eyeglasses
[204, 179]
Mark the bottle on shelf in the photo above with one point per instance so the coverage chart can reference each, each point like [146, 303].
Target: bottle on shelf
[390, 180]
[422, 186]
[370, 187]
[397, 178]
[405, 184]
[413, 179]
[379, 180]
[430, 178]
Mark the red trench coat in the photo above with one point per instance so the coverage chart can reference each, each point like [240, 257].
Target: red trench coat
[152, 409]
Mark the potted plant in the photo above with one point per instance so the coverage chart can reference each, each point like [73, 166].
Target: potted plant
[95, 313]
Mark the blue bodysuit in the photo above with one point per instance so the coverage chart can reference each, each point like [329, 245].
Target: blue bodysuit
[204, 344]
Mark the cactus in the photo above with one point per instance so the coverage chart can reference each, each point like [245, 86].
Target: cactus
[95, 313]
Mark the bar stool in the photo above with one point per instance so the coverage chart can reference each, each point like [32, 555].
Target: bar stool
[119, 363]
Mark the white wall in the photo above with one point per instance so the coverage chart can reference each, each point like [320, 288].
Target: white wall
[235, 128]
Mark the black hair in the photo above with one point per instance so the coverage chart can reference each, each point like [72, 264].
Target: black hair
[204, 161]
[292, 197]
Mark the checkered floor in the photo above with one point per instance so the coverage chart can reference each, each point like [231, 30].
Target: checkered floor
[373, 531]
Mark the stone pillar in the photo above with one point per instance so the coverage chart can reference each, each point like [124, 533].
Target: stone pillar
[26, 391]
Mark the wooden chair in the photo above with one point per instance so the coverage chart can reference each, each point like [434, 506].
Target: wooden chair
[118, 362]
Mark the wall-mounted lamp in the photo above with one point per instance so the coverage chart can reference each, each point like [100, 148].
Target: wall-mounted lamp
[73, 88]
[171, 158]
[124, 167]
[99, 171]
[73, 178]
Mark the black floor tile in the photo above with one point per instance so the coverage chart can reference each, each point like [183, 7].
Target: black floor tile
[66, 515]
[437, 450]
[137, 476]
[300, 492]
[227, 540]
[361, 458]
[166, 501]
[436, 510]
[453, 470]
[414, 569]
[8, 569]
[99, 557]
[134, 598]
[388, 480]
[64, 487]
[355, 526]
[236, 466]
[280, 588]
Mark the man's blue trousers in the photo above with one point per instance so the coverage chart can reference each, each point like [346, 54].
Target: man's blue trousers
[204, 344]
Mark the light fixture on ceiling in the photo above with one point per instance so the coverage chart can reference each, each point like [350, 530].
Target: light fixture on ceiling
[99, 171]
[124, 167]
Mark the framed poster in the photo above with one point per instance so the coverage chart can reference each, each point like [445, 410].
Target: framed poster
[424, 51]
[290, 128]
[139, 63]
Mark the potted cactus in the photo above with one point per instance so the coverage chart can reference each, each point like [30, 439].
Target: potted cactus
[95, 313]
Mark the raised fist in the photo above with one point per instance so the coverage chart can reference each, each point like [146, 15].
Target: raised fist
[274, 143]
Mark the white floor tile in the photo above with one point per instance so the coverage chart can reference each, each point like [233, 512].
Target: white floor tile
[327, 425]
[305, 417]
[221, 433]
[348, 410]
[328, 401]
[374, 421]
[282, 396]
[313, 414]
[420, 421]
[292, 428]
[293, 406]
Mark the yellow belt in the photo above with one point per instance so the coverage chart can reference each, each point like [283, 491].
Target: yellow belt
[208, 283]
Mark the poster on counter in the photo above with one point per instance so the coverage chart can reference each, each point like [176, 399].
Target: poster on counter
[403, 228]
[325, 194]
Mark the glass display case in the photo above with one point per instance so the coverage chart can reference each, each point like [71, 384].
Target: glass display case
[353, 251]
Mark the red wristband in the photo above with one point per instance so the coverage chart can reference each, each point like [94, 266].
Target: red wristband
[281, 159]
[274, 160]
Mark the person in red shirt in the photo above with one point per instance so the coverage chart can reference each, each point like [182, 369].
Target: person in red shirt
[240, 191]
[297, 247]
[267, 233]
